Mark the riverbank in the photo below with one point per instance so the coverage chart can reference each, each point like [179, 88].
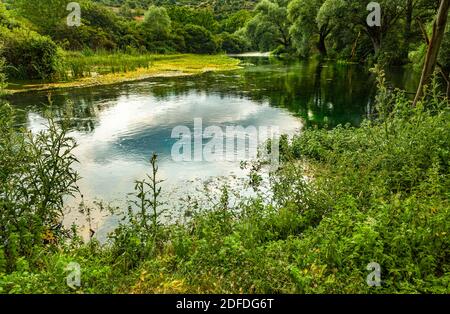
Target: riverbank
[107, 69]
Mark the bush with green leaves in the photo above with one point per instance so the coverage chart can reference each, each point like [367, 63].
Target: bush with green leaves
[387, 184]
[35, 175]
[199, 40]
[233, 43]
[30, 55]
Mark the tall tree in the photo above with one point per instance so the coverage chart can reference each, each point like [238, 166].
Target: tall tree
[306, 25]
[270, 26]
[157, 23]
[434, 45]
[408, 18]
[354, 15]
[45, 14]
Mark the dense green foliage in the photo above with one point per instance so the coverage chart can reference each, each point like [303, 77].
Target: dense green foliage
[157, 29]
[343, 198]
[36, 173]
[335, 29]
[220, 7]
[149, 29]
[28, 54]
[199, 39]
[44, 14]
[306, 27]
[270, 27]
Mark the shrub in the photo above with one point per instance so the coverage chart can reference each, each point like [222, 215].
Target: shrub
[30, 55]
[157, 23]
[234, 44]
[35, 175]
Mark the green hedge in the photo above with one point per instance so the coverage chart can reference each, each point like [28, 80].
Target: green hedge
[29, 55]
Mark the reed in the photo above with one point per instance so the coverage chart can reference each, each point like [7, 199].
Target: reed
[88, 63]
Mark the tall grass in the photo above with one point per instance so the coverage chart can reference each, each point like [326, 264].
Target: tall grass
[89, 63]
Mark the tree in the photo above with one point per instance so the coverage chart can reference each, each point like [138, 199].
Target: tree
[157, 23]
[270, 26]
[26, 54]
[353, 14]
[444, 59]
[182, 16]
[30, 55]
[199, 40]
[101, 28]
[233, 43]
[433, 47]
[307, 25]
[45, 14]
[235, 21]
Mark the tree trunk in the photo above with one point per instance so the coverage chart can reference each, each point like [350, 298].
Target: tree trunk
[376, 45]
[409, 15]
[322, 46]
[355, 44]
[433, 48]
[375, 36]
